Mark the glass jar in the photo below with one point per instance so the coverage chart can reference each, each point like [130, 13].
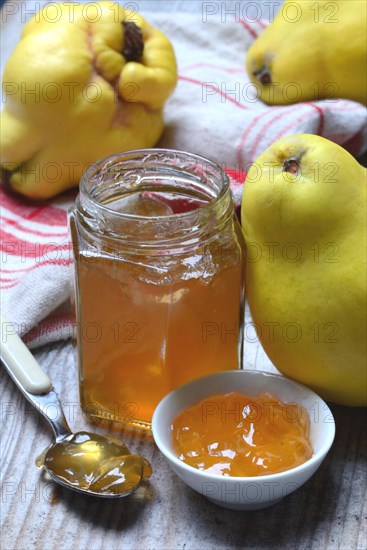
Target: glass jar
[159, 280]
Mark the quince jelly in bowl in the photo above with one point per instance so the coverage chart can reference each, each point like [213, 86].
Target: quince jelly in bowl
[244, 492]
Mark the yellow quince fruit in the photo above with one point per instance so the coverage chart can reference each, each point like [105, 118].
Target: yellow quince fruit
[311, 51]
[79, 86]
[304, 222]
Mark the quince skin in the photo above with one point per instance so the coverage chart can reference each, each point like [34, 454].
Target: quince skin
[312, 50]
[304, 223]
[80, 86]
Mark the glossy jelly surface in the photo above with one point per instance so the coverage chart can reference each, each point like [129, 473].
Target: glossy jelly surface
[100, 464]
[238, 435]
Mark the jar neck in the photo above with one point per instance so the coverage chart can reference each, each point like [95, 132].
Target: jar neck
[163, 173]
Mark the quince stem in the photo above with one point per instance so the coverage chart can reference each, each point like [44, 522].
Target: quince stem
[134, 44]
[291, 165]
[263, 76]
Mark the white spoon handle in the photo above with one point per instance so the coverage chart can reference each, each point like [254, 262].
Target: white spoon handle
[19, 361]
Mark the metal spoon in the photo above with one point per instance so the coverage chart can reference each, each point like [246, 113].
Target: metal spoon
[89, 463]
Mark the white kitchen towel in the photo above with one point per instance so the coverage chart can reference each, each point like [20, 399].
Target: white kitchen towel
[214, 112]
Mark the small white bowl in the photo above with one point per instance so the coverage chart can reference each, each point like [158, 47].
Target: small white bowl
[245, 493]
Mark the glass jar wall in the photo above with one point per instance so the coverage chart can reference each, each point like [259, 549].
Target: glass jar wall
[159, 280]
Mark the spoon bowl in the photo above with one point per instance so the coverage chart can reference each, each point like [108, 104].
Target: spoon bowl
[100, 465]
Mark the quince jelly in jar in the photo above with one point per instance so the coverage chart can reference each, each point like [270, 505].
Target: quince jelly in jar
[159, 267]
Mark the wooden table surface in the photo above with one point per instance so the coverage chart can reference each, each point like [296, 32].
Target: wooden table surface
[328, 512]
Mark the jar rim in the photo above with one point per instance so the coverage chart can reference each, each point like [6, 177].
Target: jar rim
[135, 154]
